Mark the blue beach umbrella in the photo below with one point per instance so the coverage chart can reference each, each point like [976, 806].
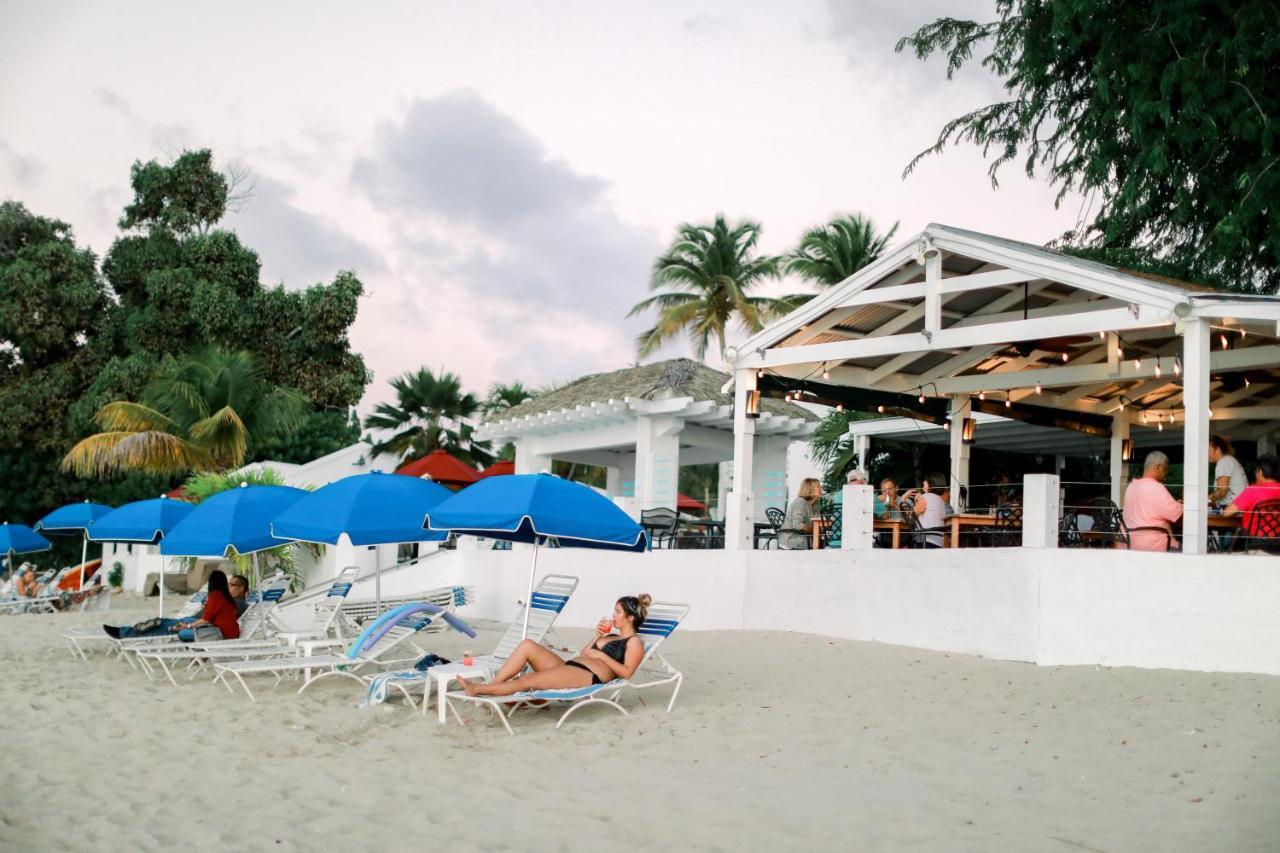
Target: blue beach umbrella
[143, 522]
[371, 509]
[235, 521]
[20, 539]
[75, 518]
[534, 507]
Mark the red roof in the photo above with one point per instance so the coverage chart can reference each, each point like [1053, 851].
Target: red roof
[502, 466]
[441, 467]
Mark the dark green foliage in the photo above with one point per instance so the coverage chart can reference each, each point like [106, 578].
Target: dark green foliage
[1161, 112]
[703, 282]
[72, 340]
[116, 577]
[430, 413]
[830, 253]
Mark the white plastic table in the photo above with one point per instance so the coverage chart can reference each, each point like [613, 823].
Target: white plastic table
[442, 675]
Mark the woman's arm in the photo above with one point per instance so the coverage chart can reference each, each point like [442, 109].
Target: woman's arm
[1222, 485]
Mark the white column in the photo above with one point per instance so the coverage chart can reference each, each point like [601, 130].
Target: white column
[933, 292]
[862, 446]
[738, 509]
[959, 450]
[528, 461]
[769, 474]
[1119, 470]
[612, 481]
[857, 515]
[1040, 511]
[657, 461]
[723, 481]
[1195, 436]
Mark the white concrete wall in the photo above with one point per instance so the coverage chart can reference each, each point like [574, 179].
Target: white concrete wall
[1046, 606]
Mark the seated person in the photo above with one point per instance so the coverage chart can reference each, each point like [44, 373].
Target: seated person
[929, 507]
[234, 590]
[1147, 503]
[886, 503]
[606, 657]
[27, 587]
[797, 527]
[1266, 487]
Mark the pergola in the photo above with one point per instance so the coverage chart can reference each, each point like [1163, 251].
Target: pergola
[641, 424]
[953, 323]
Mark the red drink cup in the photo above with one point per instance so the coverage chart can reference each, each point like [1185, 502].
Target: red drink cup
[467, 659]
[605, 626]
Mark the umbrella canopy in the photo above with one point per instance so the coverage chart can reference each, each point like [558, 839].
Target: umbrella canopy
[499, 468]
[372, 509]
[146, 521]
[684, 503]
[72, 518]
[441, 467]
[530, 507]
[236, 520]
[20, 539]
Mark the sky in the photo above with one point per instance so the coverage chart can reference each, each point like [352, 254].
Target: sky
[501, 175]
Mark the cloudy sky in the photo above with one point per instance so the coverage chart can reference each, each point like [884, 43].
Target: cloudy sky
[501, 176]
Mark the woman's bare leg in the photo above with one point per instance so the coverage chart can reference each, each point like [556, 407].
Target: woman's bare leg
[530, 653]
[547, 679]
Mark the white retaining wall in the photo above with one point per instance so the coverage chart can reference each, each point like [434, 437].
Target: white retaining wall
[1045, 606]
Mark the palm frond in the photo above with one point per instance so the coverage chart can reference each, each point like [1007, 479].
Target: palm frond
[123, 416]
[223, 436]
[150, 452]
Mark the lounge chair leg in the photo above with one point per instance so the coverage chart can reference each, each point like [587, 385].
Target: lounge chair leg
[672, 703]
[594, 700]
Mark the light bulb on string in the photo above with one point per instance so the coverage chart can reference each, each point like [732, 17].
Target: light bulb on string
[1065, 357]
[1160, 427]
[1008, 404]
[982, 395]
[1158, 371]
[1137, 364]
[826, 374]
[921, 399]
[1223, 338]
[1039, 390]
[839, 407]
[880, 409]
[1177, 367]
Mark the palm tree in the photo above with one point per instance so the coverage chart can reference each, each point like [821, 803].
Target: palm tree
[828, 254]
[708, 274]
[502, 397]
[202, 412]
[431, 412]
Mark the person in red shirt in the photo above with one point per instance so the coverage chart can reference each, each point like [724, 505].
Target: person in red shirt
[219, 611]
[1266, 487]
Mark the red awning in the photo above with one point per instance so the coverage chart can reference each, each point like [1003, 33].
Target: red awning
[441, 467]
[684, 503]
[503, 466]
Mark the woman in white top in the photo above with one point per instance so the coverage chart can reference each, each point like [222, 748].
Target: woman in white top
[930, 508]
[1229, 478]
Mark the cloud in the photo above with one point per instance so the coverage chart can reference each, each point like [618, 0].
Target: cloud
[705, 24]
[21, 171]
[170, 139]
[479, 199]
[296, 247]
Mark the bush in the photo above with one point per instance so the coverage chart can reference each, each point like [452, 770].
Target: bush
[116, 578]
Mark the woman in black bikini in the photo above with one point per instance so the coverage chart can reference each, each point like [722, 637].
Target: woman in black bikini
[606, 657]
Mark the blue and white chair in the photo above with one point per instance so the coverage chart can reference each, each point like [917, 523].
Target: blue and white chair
[549, 598]
[654, 670]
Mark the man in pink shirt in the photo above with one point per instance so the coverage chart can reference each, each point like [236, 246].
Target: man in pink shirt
[1266, 488]
[1148, 504]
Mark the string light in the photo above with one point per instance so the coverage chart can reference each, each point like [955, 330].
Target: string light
[1160, 427]
[921, 398]
[880, 409]
[947, 426]
[826, 374]
[1008, 404]
[1211, 413]
[1158, 371]
[1144, 417]
[982, 395]
[1039, 390]
[1246, 382]
[1065, 357]
[1119, 351]
[1223, 338]
[839, 407]
[1137, 364]
[1177, 367]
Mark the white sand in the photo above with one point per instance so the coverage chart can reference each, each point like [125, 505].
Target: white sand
[778, 742]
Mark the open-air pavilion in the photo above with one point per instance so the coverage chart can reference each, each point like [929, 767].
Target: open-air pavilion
[641, 424]
[955, 325]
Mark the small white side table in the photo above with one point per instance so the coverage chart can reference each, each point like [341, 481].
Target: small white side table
[442, 675]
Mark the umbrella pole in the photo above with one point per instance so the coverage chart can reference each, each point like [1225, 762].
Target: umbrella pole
[528, 599]
[84, 558]
[161, 613]
[377, 580]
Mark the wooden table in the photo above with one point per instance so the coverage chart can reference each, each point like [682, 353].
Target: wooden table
[968, 519]
[1226, 522]
[894, 526]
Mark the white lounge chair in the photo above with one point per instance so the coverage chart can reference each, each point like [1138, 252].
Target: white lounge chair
[42, 601]
[79, 640]
[373, 648]
[654, 670]
[549, 598]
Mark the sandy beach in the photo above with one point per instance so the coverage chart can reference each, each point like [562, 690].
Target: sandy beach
[778, 741]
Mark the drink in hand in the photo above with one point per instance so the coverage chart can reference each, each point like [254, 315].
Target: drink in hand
[605, 626]
[468, 659]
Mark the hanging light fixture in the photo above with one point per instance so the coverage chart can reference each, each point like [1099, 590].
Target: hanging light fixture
[1224, 340]
[1126, 450]
[969, 431]
[1065, 358]
[982, 395]
[921, 398]
[1008, 403]
[1039, 390]
[880, 409]
[1160, 427]
[1177, 366]
[753, 404]
[1158, 371]
[826, 374]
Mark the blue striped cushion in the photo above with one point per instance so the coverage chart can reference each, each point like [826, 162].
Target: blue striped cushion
[570, 693]
[547, 601]
[658, 627]
[459, 596]
[339, 590]
[273, 595]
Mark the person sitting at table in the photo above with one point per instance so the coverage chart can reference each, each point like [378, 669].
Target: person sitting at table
[1266, 487]
[929, 507]
[1229, 478]
[886, 503]
[1148, 504]
[797, 526]
[606, 657]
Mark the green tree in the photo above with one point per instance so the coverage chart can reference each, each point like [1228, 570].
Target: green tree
[703, 282]
[430, 413]
[830, 253]
[500, 398]
[1161, 114]
[199, 413]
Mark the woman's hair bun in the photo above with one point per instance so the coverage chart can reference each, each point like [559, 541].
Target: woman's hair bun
[645, 599]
